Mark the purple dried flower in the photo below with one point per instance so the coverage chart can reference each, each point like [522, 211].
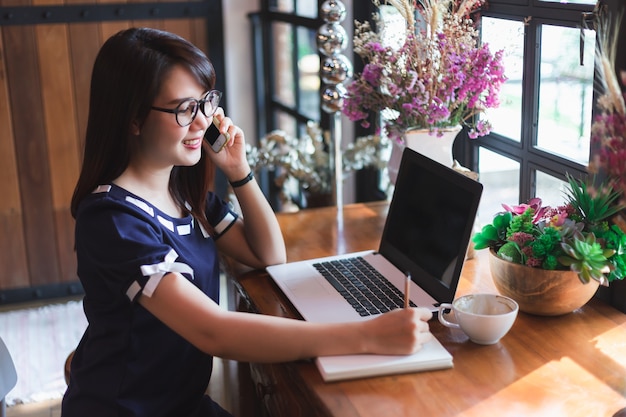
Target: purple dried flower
[429, 81]
[372, 74]
[521, 238]
[608, 135]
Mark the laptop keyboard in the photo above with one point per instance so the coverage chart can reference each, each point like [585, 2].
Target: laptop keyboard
[367, 291]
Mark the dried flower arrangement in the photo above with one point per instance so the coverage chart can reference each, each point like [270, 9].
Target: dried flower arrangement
[439, 76]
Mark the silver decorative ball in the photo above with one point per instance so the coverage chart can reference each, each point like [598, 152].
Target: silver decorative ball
[333, 11]
[331, 39]
[335, 69]
[332, 97]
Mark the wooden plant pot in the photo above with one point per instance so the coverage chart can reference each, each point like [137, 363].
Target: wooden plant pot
[540, 291]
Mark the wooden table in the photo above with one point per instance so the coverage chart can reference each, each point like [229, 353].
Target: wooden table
[573, 365]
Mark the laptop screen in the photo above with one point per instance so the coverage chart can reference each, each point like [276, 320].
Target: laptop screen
[429, 223]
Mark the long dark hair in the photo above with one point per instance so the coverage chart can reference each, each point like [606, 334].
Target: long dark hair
[126, 78]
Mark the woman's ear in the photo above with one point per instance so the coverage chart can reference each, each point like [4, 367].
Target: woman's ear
[135, 128]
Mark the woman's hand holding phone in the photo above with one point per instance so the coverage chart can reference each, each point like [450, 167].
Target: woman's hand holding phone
[228, 146]
[214, 137]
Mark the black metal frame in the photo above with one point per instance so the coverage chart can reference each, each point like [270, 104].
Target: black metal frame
[368, 179]
[34, 15]
[263, 53]
[529, 157]
[267, 104]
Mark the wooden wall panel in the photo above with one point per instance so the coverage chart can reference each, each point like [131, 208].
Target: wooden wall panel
[181, 27]
[84, 45]
[12, 246]
[26, 101]
[200, 37]
[62, 136]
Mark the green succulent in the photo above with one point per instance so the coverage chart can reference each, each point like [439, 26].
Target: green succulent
[493, 235]
[616, 239]
[592, 206]
[587, 258]
[511, 252]
[522, 223]
[545, 247]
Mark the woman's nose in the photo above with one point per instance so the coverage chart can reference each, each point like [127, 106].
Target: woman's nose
[201, 121]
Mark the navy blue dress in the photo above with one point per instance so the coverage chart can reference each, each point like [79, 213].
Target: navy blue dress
[128, 363]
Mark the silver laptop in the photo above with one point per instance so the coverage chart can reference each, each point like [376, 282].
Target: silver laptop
[426, 234]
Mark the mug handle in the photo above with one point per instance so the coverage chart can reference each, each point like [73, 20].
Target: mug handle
[442, 320]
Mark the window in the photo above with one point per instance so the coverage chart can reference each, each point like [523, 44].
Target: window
[287, 72]
[287, 63]
[541, 129]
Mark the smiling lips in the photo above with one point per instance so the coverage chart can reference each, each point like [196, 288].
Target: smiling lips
[192, 143]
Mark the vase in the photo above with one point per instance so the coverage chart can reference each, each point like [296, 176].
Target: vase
[429, 144]
[540, 291]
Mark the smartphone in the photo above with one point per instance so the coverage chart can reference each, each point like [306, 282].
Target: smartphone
[216, 140]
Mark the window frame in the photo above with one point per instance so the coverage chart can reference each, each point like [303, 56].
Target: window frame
[266, 102]
[531, 159]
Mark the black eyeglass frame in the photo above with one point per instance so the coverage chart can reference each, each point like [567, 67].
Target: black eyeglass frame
[199, 105]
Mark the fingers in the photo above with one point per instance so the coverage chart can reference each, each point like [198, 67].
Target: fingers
[401, 331]
[227, 126]
[423, 337]
[219, 112]
[422, 329]
[419, 318]
[423, 313]
[419, 333]
[225, 123]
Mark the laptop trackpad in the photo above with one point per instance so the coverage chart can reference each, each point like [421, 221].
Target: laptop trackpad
[307, 288]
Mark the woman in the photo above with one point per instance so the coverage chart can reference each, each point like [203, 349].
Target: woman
[148, 232]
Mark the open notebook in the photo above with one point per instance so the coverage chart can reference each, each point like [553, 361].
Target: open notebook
[426, 233]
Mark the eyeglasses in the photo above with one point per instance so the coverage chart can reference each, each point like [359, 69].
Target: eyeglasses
[187, 110]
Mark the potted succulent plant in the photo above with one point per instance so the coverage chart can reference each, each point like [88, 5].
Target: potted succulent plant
[537, 251]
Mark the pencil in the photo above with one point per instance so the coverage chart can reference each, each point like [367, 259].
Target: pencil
[407, 290]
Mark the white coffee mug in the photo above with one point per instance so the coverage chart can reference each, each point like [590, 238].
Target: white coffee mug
[485, 318]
